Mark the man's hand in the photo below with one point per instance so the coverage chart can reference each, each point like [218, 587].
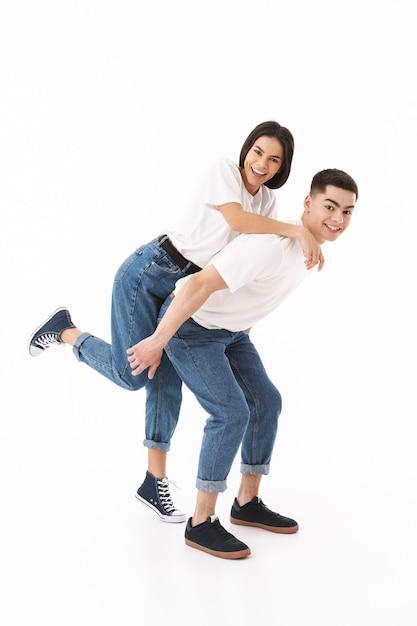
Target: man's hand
[146, 353]
[197, 288]
[311, 249]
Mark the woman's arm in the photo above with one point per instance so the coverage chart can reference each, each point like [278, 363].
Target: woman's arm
[251, 223]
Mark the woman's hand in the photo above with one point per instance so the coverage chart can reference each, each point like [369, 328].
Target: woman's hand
[311, 249]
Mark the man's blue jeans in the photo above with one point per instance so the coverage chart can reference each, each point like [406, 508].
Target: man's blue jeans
[224, 371]
[141, 285]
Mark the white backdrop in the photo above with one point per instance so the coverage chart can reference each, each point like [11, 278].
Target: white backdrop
[109, 113]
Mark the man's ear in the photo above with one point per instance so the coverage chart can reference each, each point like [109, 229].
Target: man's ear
[307, 204]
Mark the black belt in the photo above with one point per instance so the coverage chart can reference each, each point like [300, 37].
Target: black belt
[184, 264]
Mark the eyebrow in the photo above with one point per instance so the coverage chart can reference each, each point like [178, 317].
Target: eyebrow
[272, 156]
[351, 206]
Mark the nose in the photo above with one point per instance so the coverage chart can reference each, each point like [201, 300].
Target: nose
[263, 161]
[338, 217]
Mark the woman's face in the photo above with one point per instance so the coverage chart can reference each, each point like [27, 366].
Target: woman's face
[262, 162]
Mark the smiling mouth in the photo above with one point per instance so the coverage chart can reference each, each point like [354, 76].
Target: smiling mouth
[257, 172]
[333, 229]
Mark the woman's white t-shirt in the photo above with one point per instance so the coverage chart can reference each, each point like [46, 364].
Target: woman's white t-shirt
[210, 232]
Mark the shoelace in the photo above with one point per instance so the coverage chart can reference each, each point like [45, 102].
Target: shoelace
[221, 531]
[263, 505]
[267, 509]
[165, 495]
[47, 340]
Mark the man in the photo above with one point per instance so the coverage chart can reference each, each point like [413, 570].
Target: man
[204, 331]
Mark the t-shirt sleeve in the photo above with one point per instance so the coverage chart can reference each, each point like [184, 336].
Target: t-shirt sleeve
[248, 258]
[224, 183]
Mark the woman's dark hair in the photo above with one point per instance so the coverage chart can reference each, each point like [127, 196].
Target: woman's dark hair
[335, 177]
[272, 129]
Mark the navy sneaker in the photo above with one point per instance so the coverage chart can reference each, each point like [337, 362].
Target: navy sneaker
[211, 537]
[47, 334]
[154, 492]
[256, 513]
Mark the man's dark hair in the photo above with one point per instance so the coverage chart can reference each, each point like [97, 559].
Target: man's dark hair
[334, 177]
[283, 135]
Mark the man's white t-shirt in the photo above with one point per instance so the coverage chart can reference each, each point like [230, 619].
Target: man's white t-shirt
[260, 271]
[210, 232]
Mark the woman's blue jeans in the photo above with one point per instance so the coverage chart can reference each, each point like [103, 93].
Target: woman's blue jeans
[224, 371]
[141, 285]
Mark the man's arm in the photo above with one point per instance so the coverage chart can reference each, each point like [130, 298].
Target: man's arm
[148, 352]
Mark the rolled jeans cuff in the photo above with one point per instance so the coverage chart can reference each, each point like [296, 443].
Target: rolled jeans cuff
[78, 343]
[158, 445]
[256, 470]
[211, 485]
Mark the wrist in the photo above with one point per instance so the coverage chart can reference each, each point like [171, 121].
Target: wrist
[160, 338]
[295, 232]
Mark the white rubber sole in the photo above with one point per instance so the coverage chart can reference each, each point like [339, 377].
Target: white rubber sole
[34, 350]
[176, 518]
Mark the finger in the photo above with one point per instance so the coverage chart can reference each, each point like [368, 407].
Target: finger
[151, 372]
[132, 361]
[138, 368]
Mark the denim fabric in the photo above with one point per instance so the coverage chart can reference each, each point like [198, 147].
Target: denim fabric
[140, 286]
[224, 371]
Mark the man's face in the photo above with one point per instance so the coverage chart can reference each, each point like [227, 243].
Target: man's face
[328, 214]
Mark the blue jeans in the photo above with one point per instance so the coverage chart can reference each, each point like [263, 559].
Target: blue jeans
[141, 285]
[224, 371]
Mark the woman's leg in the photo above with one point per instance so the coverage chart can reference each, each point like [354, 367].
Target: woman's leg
[141, 284]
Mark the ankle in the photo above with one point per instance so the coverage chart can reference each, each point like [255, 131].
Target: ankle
[70, 335]
[200, 519]
[157, 462]
[245, 498]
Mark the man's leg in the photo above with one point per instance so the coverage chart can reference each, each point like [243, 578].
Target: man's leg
[264, 402]
[199, 356]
